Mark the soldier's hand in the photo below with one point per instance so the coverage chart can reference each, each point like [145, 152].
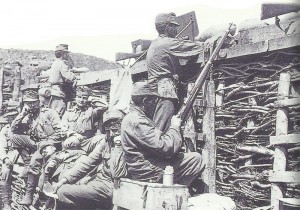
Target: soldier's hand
[7, 162]
[57, 185]
[50, 165]
[176, 121]
[25, 110]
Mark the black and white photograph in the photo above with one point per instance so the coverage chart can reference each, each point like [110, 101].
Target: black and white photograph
[149, 105]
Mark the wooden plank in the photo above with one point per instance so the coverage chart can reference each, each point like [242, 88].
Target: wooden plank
[284, 42]
[1, 86]
[209, 149]
[284, 176]
[17, 82]
[280, 158]
[285, 139]
[287, 102]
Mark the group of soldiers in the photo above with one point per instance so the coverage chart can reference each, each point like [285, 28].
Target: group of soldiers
[66, 147]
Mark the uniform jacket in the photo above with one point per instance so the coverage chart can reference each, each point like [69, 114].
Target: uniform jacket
[64, 160]
[163, 62]
[46, 126]
[59, 74]
[82, 121]
[145, 146]
[108, 159]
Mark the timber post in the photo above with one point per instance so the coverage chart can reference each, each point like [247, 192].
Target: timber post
[281, 129]
[17, 82]
[1, 86]
[209, 150]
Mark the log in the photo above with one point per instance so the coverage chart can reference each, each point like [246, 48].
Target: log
[285, 139]
[1, 84]
[260, 150]
[209, 150]
[280, 158]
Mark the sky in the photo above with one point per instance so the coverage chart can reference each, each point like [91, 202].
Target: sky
[102, 28]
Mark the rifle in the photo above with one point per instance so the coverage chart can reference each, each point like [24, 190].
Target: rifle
[187, 104]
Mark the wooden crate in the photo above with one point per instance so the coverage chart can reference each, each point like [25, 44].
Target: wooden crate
[135, 195]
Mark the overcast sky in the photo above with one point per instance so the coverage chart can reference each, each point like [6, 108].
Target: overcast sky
[102, 28]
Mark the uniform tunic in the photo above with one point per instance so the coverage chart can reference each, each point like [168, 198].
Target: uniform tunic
[147, 151]
[163, 63]
[59, 74]
[111, 165]
[28, 131]
[82, 121]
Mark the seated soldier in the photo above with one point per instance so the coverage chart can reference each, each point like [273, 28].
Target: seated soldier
[7, 157]
[108, 156]
[33, 125]
[56, 163]
[81, 119]
[147, 150]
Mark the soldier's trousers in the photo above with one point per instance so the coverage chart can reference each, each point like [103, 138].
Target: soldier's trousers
[96, 193]
[163, 113]
[34, 162]
[58, 104]
[86, 144]
[187, 167]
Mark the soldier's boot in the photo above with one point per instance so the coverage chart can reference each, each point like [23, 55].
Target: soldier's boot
[6, 194]
[32, 181]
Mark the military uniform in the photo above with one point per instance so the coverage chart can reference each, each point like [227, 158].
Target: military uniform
[163, 63]
[82, 121]
[59, 74]
[108, 157]
[147, 150]
[27, 131]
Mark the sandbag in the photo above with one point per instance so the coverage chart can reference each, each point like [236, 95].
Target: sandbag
[209, 201]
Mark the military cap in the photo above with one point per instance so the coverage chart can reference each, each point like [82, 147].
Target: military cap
[7, 66]
[143, 88]
[30, 95]
[62, 47]
[3, 120]
[44, 144]
[83, 91]
[45, 92]
[110, 115]
[165, 18]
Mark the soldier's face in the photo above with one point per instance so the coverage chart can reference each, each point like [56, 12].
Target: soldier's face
[81, 100]
[48, 151]
[113, 128]
[150, 103]
[32, 105]
[172, 30]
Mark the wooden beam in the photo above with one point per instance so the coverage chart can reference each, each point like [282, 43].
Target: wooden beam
[287, 102]
[284, 176]
[285, 139]
[280, 156]
[209, 150]
[1, 86]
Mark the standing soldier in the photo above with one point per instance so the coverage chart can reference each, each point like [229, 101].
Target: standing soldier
[60, 75]
[82, 119]
[33, 125]
[163, 66]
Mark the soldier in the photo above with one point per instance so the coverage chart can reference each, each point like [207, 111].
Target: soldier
[147, 150]
[33, 125]
[108, 157]
[82, 118]
[60, 75]
[163, 66]
[7, 157]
